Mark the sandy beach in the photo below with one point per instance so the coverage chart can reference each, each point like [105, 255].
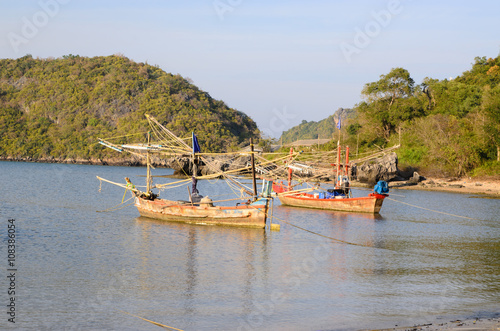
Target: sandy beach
[485, 187]
[475, 324]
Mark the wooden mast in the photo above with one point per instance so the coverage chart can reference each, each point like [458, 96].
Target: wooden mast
[346, 166]
[338, 166]
[148, 172]
[290, 170]
[253, 171]
[338, 155]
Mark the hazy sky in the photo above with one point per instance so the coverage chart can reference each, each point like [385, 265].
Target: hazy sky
[280, 62]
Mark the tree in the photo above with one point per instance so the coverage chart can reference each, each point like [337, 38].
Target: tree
[396, 84]
[491, 107]
[390, 102]
[353, 129]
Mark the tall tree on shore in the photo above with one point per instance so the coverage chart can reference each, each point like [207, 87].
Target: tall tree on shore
[491, 108]
[389, 102]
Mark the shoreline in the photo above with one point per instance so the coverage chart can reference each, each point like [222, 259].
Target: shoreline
[484, 188]
[467, 324]
[102, 162]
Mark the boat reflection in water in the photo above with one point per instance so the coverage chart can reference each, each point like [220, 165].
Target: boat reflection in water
[189, 259]
[257, 265]
[347, 271]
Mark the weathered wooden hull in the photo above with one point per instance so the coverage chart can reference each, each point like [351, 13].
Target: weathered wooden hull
[369, 204]
[253, 216]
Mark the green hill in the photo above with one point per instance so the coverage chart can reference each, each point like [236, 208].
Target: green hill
[323, 129]
[56, 108]
[447, 127]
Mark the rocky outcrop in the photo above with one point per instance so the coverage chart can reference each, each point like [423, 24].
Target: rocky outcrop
[384, 168]
[184, 166]
[52, 159]
[415, 179]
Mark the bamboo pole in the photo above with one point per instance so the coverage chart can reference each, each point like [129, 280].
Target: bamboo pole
[303, 190]
[338, 165]
[290, 170]
[118, 184]
[253, 170]
[346, 170]
[148, 171]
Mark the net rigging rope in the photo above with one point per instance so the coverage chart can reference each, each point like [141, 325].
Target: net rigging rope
[435, 211]
[152, 322]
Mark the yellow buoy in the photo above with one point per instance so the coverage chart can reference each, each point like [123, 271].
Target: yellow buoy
[275, 227]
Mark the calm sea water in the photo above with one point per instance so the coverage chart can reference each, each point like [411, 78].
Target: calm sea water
[82, 269]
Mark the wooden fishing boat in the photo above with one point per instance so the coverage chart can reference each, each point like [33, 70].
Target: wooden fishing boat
[252, 215]
[252, 212]
[368, 204]
[340, 198]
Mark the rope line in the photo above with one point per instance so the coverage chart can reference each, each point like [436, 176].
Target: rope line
[117, 207]
[324, 236]
[153, 322]
[271, 217]
[339, 241]
[182, 182]
[435, 211]
[128, 135]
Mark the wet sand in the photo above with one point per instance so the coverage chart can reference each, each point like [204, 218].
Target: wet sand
[481, 324]
[469, 325]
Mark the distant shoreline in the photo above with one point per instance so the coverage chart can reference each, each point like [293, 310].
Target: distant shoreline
[110, 162]
[486, 187]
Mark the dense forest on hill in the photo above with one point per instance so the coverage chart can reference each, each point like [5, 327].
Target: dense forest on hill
[56, 108]
[447, 127]
[323, 129]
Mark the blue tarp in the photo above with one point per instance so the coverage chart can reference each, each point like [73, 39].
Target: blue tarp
[381, 187]
[329, 195]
